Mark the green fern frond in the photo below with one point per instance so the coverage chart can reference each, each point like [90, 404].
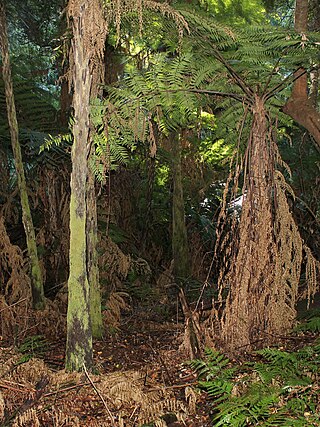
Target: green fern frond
[220, 390]
[249, 409]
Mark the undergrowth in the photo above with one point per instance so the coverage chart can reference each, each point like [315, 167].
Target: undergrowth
[280, 388]
[34, 346]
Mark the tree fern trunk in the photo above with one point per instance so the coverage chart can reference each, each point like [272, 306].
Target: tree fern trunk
[265, 268]
[36, 275]
[180, 250]
[79, 335]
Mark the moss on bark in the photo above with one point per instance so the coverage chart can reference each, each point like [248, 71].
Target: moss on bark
[36, 275]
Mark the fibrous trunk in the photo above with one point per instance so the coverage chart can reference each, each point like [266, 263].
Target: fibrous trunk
[264, 274]
[36, 275]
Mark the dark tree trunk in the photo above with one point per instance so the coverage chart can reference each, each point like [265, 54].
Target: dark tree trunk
[299, 106]
[180, 250]
[36, 275]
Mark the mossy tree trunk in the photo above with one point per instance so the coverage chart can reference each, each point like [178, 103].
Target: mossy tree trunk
[98, 79]
[180, 249]
[92, 259]
[36, 275]
[79, 335]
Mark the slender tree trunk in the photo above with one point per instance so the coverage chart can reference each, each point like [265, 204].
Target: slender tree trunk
[36, 275]
[98, 77]
[92, 259]
[180, 250]
[151, 171]
[79, 335]
[299, 107]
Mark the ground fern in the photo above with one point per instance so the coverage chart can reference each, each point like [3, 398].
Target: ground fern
[279, 390]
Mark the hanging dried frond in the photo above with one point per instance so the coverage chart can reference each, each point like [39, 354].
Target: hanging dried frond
[115, 9]
[313, 286]
[2, 407]
[114, 264]
[116, 303]
[13, 269]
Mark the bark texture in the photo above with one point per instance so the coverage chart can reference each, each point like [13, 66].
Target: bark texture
[180, 250]
[79, 335]
[299, 106]
[92, 259]
[36, 275]
[97, 67]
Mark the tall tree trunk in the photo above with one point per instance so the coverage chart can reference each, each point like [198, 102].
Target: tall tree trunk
[92, 258]
[98, 79]
[299, 107]
[36, 275]
[79, 335]
[180, 249]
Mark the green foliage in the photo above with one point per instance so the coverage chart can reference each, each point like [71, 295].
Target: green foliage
[33, 346]
[280, 390]
[311, 322]
[111, 143]
[215, 374]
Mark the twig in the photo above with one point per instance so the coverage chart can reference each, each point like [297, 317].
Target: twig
[12, 305]
[62, 390]
[134, 411]
[18, 384]
[8, 387]
[100, 395]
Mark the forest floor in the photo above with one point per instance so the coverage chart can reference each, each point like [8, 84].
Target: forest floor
[141, 378]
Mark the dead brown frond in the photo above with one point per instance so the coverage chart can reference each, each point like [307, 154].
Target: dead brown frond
[13, 269]
[312, 266]
[113, 263]
[15, 301]
[128, 388]
[2, 407]
[61, 419]
[30, 372]
[115, 304]
[27, 419]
